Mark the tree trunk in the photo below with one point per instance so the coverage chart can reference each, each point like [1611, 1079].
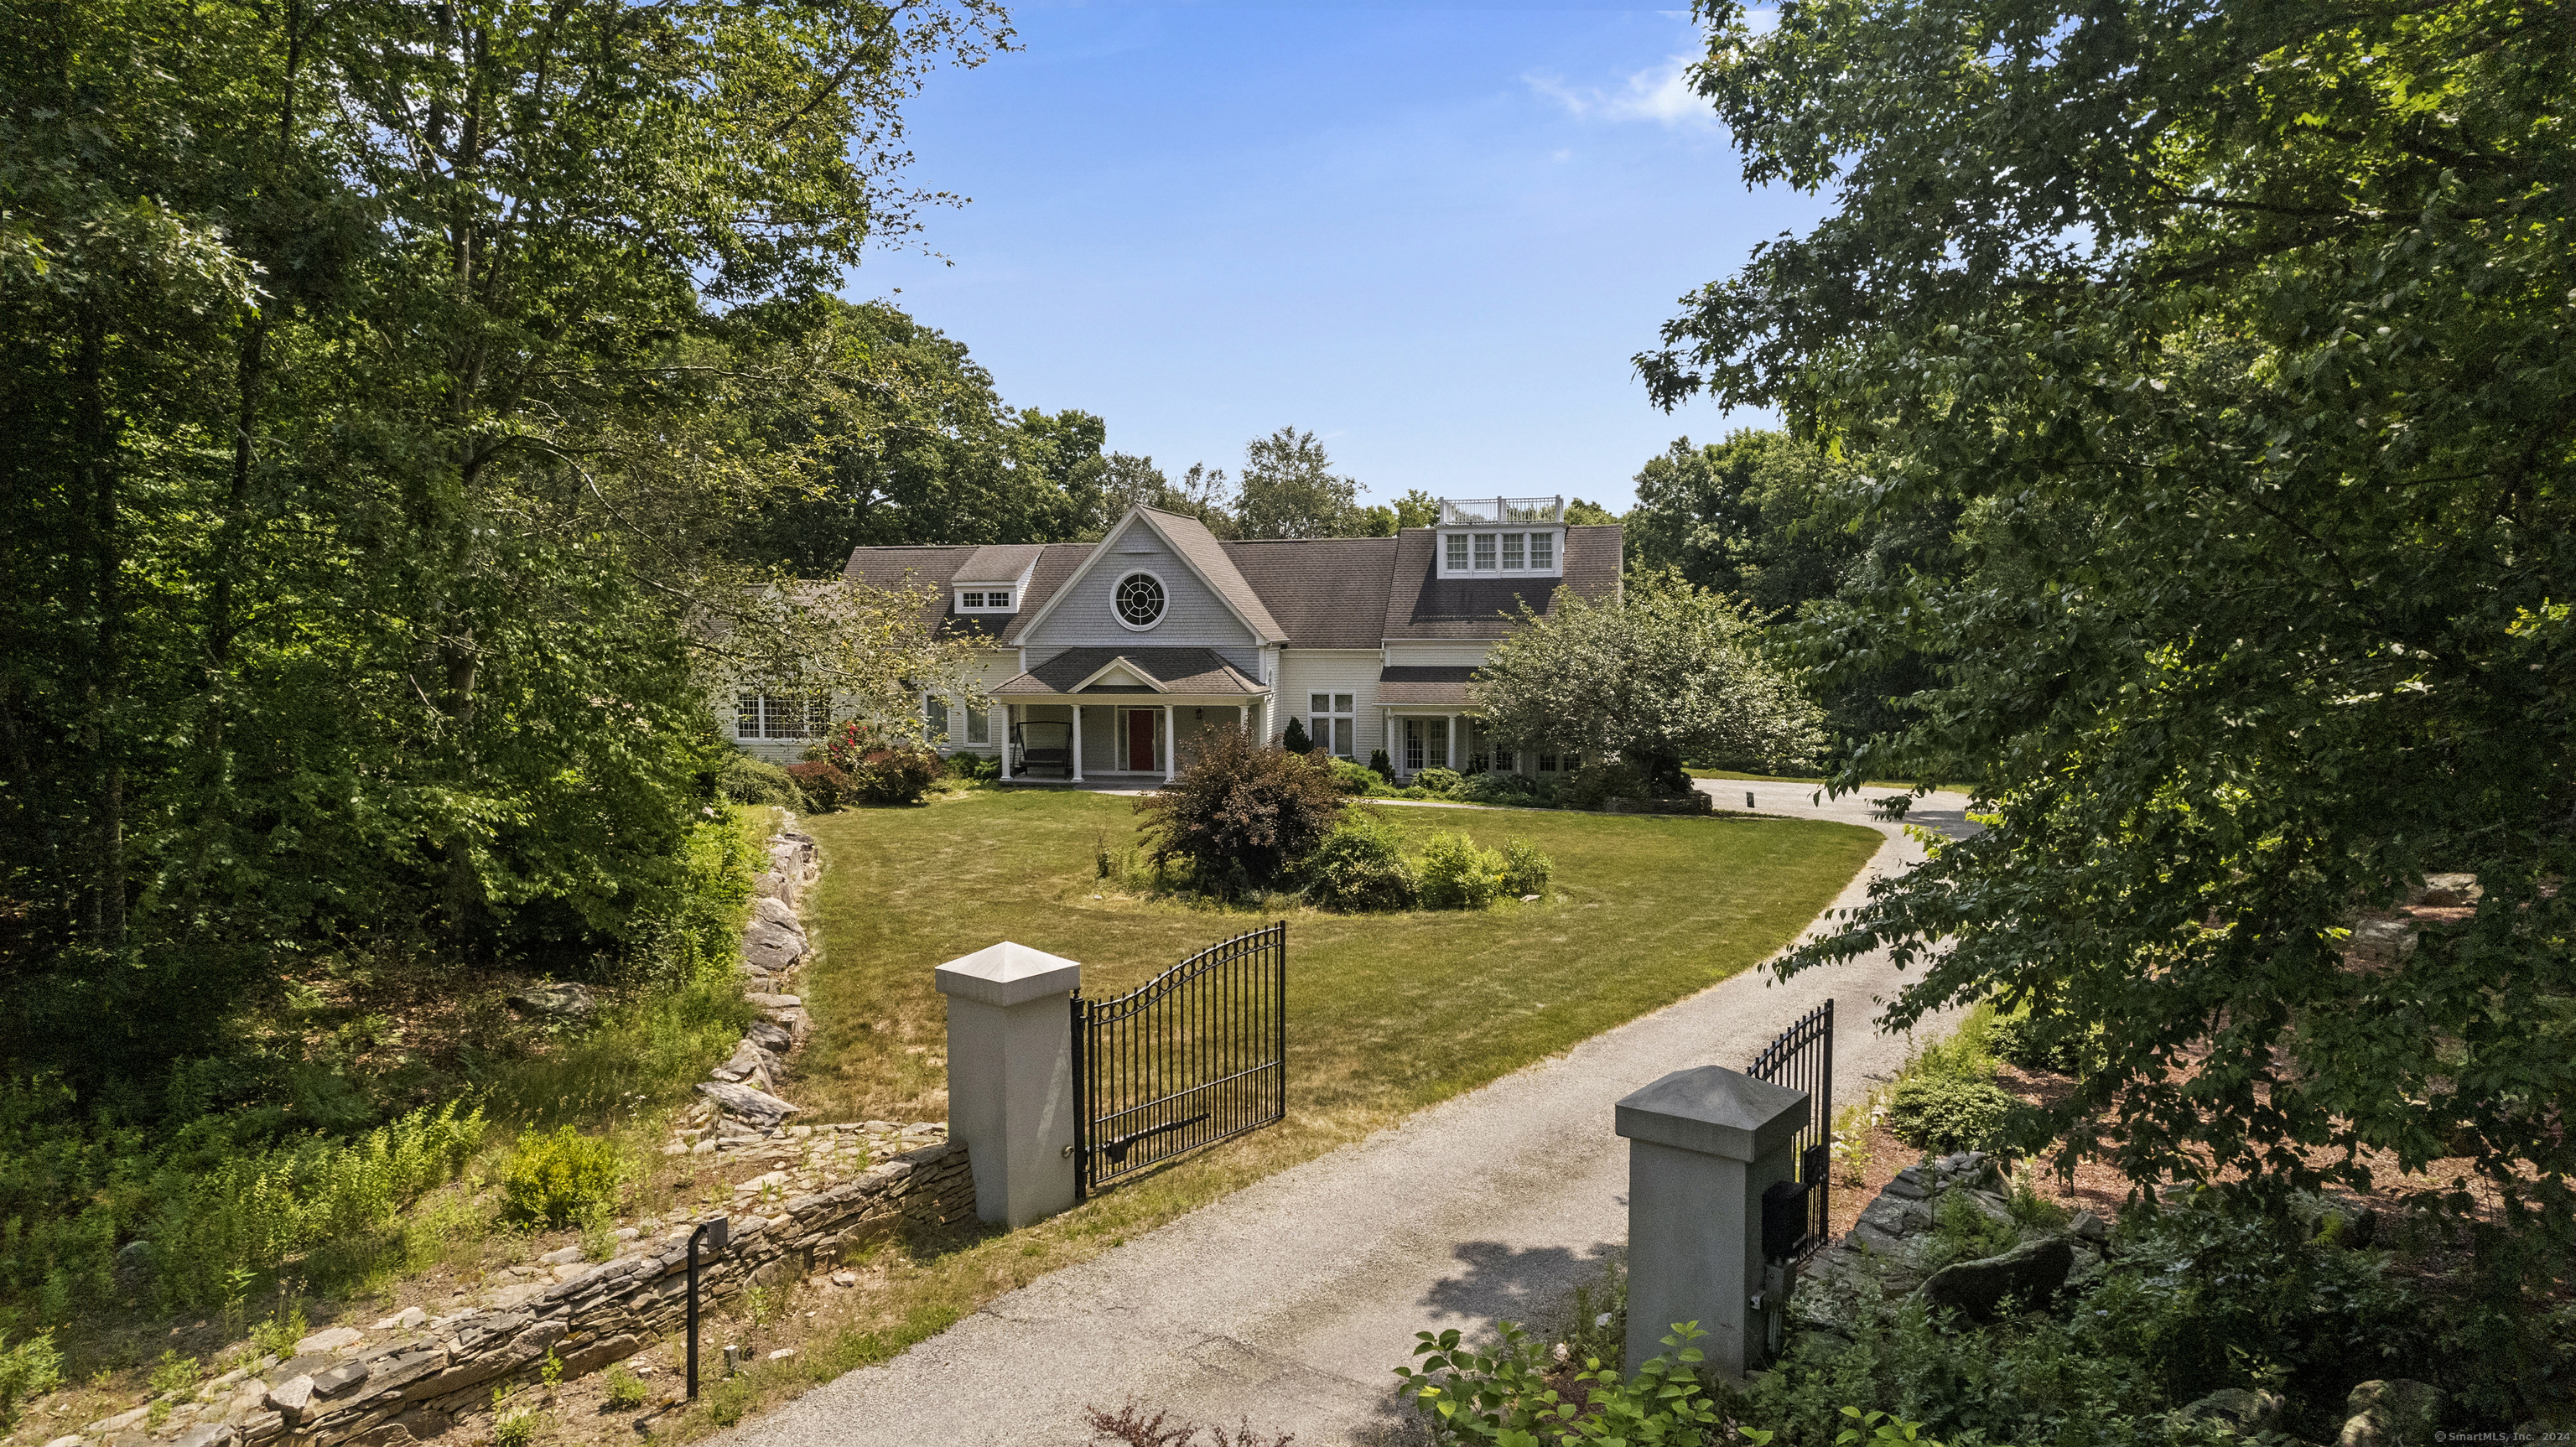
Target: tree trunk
[94, 443]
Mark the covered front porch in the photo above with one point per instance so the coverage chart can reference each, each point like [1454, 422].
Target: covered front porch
[1132, 715]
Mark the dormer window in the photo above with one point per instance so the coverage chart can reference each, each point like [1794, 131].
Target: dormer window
[984, 600]
[1495, 538]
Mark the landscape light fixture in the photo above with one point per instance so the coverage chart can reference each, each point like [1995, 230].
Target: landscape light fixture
[714, 1233]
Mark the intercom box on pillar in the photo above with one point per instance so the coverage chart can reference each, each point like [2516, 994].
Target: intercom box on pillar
[1703, 1147]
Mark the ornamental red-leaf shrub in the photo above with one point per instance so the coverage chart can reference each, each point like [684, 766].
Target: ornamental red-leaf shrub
[824, 783]
[1242, 811]
[895, 773]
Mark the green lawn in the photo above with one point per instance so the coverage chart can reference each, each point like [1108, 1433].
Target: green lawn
[1387, 1014]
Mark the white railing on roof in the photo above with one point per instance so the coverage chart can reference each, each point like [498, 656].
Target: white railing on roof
[1488, 511]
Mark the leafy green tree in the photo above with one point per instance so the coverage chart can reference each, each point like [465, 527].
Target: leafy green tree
[1131, 481]
[1757, 514]
[1416, 509]
[1289, 490]
[1589, 514]
[2212, 362]
[380, 432]
[1661, 673]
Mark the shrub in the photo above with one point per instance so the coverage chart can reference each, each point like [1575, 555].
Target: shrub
[746, 780]
[1439, 781]
[1458, 875]
[559, 1178]
[1380, 764]
[625, 1391]
[822, 783]
[1513, 789]
[2036, 1043]
[1361, 866]
[30, 1369]
[1353, 778]
[1504, 1395]
[1943, 1113]
[173, 1373]
[1596, 783]
[894, 774]
[978, 768]
[1242, 808]
[1295, 739]
[1525, 870]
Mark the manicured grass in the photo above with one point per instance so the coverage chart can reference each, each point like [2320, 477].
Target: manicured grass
[1387, 1014]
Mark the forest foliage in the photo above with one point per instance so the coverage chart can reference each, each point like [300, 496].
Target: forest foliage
[2208, 369]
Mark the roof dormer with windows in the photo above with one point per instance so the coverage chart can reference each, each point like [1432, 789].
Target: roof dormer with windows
[1502, 537]
[994, 579]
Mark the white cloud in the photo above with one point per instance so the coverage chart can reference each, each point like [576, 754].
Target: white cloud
[1659, 93]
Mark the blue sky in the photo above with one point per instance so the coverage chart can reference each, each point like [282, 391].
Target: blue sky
[1432, 236]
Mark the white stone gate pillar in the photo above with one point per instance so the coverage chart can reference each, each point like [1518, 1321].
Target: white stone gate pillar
[1703, 1145]
[1010, 1078]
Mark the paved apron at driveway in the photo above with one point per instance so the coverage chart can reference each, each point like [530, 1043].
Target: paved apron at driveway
[1292, 1300]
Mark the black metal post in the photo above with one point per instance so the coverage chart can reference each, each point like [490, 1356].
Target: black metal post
[720, 1228]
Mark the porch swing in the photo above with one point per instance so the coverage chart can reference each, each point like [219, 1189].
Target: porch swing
[1050, 749]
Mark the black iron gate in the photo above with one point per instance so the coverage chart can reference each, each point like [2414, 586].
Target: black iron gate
[1802, 1058]
[1191, 1058]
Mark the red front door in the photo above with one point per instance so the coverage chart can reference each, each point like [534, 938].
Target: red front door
[1140, 741]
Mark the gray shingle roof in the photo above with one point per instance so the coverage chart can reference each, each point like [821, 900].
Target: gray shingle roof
[1421, 604]
[1191, 539]
[1416, 684]
[1179, 670]
[1323, 591]
[998, 562]
[1312, 592]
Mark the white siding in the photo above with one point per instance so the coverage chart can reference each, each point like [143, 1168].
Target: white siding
[1304, 671]
[1444, 654]
[993, 668]
[1193, 615]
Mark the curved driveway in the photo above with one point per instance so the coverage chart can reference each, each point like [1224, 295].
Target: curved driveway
[1291, 1300]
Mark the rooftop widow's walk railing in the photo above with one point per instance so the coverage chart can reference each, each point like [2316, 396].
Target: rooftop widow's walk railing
[1499, 511]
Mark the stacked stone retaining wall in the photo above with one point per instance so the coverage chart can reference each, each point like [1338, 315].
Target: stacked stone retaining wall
[416, 1383]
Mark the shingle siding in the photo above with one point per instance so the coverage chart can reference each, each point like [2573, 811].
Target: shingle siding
[1193, 615]
[1304, 671]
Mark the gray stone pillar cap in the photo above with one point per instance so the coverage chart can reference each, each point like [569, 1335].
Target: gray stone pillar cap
[1715, 1111]
[1007, 974]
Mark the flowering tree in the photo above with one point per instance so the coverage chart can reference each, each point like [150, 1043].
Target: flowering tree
[1662, 672]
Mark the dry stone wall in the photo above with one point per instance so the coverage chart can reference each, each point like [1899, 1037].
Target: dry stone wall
[412, 1375]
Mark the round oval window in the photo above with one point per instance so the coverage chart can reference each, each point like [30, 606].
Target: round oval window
[1140, 600]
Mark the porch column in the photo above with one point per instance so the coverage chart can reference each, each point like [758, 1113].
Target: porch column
[1450, 723]
[1171, 741]
[1077, 743]
[1010, 731]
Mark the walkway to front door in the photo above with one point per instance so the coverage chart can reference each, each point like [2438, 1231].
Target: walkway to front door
[1140, 740]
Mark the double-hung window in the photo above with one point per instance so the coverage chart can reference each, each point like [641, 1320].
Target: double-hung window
[781, 716]
[1457, 544]
[1329, 723]
[955, 725]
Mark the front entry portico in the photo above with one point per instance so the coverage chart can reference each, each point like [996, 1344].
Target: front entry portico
[1130, 712]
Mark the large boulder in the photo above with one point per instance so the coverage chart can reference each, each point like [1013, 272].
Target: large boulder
[2392, 1413]
[555, 1000]
[753, 1107]
[777, 913]
[2246, 1413]
[769, 948]
[2030, 1273]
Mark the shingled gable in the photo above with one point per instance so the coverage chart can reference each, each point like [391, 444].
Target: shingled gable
[1195, 545]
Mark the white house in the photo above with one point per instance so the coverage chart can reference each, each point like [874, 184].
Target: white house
[1105, 660]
